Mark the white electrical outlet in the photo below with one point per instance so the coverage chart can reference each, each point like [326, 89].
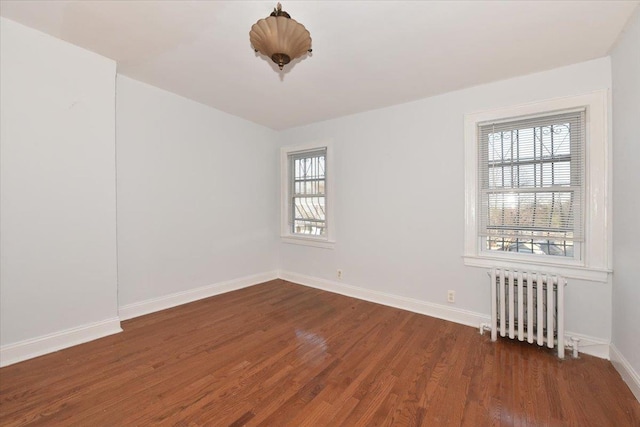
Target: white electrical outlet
[339, 274]
[451, 296]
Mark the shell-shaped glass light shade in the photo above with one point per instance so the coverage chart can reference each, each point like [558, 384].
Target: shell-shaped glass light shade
[276, 36]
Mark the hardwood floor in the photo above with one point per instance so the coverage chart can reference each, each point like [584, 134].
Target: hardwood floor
[280, 354]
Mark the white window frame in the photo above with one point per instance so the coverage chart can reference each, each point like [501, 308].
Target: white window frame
[286, 233]
[595, 259]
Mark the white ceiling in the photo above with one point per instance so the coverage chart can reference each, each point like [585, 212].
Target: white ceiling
[366, 54]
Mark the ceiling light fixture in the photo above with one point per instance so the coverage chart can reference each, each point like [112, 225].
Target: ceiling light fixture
[280, 38]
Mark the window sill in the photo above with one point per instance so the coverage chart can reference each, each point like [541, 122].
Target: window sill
[566, 270]
[308, 241]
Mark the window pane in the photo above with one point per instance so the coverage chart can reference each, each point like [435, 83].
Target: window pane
[309, 216]
[535, 214]
[531, 246]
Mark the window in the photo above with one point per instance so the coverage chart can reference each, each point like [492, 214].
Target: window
[536, 187]
[307, 175]
[306, 216]
[531, 179]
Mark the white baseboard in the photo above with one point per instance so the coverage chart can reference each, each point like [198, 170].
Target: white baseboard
[589, 345]
[130, 311]
[28, 349]
[628, 374]
[465, 317]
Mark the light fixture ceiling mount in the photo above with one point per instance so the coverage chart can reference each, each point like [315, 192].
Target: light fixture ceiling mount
[280, 37]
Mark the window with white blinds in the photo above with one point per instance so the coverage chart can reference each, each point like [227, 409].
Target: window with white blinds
[537, 187]
[531, 179]
[307, 191]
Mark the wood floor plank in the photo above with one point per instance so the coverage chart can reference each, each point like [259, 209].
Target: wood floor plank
[280, 354]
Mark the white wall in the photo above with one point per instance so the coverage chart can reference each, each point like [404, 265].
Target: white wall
[400, 197]
[58, 213]
[626, 196]
[197, 196]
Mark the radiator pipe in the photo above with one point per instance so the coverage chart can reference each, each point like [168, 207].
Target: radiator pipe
[484, 327]
[573, 344]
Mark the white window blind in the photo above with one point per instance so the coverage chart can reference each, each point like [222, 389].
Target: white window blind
[307, 190]
[531, 182]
